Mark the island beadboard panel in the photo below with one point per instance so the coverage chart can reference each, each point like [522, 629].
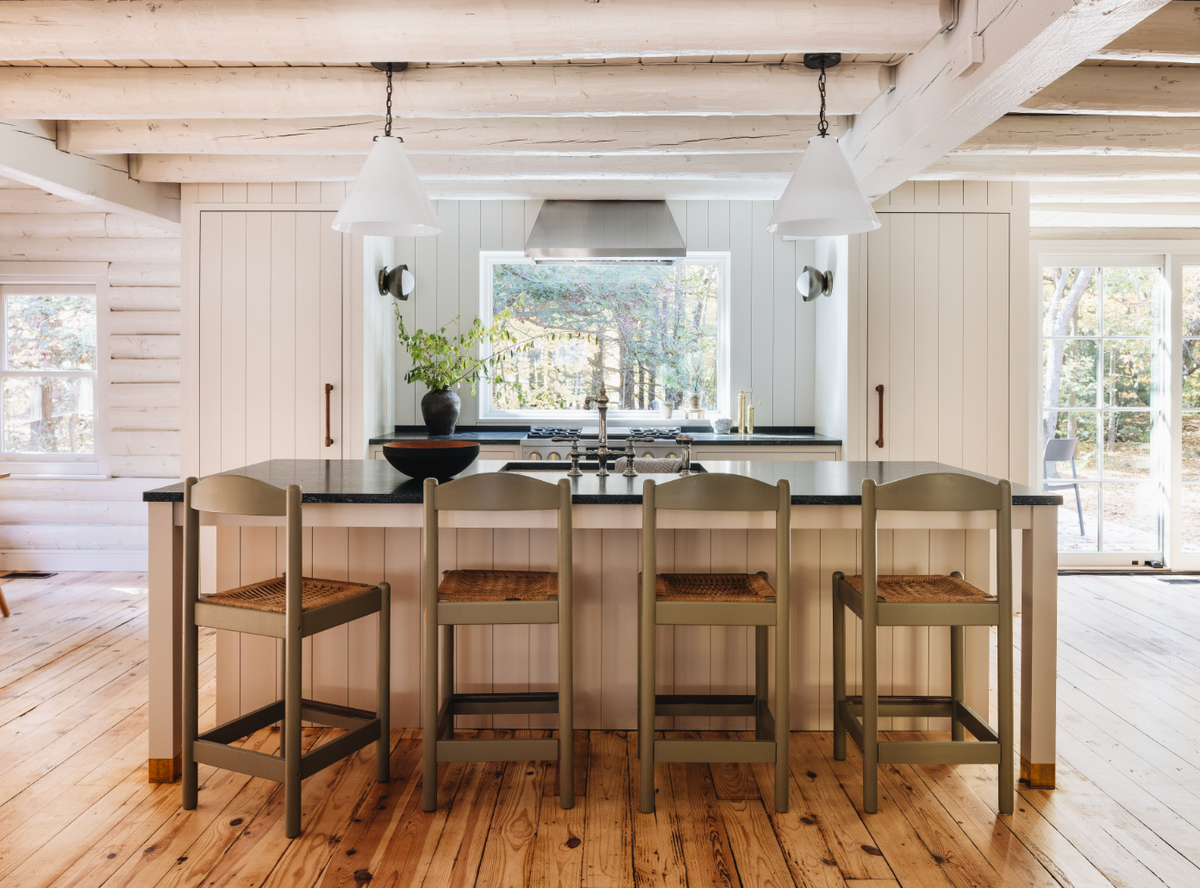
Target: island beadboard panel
[100, 524]
[339, 664]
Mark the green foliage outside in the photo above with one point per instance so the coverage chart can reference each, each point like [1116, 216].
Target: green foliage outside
[651, 334]
[49, 414]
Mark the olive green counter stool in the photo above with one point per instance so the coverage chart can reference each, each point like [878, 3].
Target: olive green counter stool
[716, 600]
[289, 608]
[926, 601]
[489, 597]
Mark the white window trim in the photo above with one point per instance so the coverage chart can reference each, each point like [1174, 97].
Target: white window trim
[69, 274]
[489, 258]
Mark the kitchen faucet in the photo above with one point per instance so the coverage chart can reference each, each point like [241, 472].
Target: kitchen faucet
[602, 452]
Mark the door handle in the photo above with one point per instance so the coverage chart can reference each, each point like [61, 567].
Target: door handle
[879, 440]
[329, 440]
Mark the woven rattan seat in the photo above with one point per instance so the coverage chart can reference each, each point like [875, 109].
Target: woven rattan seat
[918, 589]
[271, 595]
[712, 587]
[498, 585]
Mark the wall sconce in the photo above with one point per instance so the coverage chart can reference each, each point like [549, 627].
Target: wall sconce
[398, 281]
[813, 283]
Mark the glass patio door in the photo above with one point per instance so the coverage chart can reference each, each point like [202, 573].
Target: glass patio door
[1184, 538]
[1102, 392]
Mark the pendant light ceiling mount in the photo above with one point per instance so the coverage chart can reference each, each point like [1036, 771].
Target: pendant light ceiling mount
[387, 198]
[823, 197]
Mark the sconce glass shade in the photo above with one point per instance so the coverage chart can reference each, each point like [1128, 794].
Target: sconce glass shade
[824, 197]
[387, 198]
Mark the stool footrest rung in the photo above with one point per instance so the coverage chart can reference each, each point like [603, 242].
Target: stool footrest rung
[706, 704]
[517, 702]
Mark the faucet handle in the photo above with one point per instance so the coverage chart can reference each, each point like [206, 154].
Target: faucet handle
[686, 442]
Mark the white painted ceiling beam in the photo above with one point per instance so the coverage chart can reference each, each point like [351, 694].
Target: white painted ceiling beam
[447, 92]
[321, 32]
[937, 104]
[30, 157]
[543, 90]
[1034, 167]
[1170, 35]
[1086, 134]
[1102, 89]
[459, 167]
[483, 135]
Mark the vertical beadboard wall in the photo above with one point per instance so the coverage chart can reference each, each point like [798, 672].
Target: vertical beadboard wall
[772, 333]
[64, 524]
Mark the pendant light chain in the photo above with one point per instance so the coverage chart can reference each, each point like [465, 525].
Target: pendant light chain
[823, 126]
[387, 123]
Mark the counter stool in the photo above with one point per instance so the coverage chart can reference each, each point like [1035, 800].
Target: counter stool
[926, 601]
[716, 600]
[474, 597]
[289, 608]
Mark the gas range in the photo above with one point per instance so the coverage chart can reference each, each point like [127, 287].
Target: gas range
[538, 444]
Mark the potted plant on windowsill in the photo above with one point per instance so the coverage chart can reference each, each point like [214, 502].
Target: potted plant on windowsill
[443, 361]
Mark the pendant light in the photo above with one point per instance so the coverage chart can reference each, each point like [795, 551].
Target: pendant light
[824, 197]
[387, 198]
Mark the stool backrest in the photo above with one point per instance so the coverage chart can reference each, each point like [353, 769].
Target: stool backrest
[497, 492]
[241, 495]
[938, 492]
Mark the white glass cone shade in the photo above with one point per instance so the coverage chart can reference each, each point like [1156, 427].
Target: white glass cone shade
[824, 197]
[387, 198]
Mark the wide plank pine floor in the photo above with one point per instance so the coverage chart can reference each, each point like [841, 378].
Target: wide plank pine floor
[76, 810]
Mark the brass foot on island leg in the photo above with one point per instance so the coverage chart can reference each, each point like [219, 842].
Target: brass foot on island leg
[166, 770]
[1037, 776]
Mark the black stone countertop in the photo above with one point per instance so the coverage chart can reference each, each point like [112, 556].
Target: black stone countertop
[507, 435]
[817, 483]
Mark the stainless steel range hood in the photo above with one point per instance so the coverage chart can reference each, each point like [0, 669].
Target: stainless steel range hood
[609, 230]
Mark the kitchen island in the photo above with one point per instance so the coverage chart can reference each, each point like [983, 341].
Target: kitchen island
[362, 523]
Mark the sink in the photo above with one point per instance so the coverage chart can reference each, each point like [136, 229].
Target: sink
[562, 466]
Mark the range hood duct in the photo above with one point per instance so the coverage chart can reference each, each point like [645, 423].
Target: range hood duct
[640, 231]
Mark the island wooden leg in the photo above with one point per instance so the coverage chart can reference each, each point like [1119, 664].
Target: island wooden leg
[166, 642]
[1039, 646]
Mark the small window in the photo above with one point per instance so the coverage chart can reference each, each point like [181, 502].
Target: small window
[48, 378]
[655, 334]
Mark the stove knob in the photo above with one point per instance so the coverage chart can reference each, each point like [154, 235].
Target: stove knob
[535, 456]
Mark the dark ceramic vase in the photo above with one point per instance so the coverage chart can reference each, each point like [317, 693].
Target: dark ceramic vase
[440, 410]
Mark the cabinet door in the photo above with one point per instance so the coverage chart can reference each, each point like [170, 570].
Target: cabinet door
[938, 339]
[270, 337]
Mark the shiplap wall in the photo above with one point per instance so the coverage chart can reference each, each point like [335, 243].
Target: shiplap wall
[101, 524]
[772, 333]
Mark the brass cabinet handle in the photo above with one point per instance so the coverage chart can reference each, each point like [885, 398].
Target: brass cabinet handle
[879, 440]
[329, 440]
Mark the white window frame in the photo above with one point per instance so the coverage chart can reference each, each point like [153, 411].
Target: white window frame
[89, 277]
[543, 416]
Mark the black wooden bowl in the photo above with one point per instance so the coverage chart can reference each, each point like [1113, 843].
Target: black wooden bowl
[432, 458]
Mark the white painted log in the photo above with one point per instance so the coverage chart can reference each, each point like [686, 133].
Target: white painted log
[34, 200]
[459, 30]
[1018, 168]
[499, 135]
[52, 225]
[1171, 35]
[89, 249]
[746, 188]
[1114, 233]
[143, 298]
[143, 396]
[143, 443]
[159, 419]
[1112, 216]
[133, 274]
[458, 167]
[154, 347]
[76, 490]
[74, 512]
[1085, 134]
[1113, 191]
[74, 536]
[1149, 91]
[160, 322]
[145, 467]
[125, 226]
[143, 370]
[30, 156]
[449, 92]
[935, 107]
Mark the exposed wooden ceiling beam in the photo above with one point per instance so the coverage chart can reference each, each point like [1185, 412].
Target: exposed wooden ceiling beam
[748, 188]
[1086, 134]
[482, 135]
[1103, 89]
[462, 167]
[461, 91]
[1113, 191]
[1170, 35]
[321, 32]
[939, 101]
[1034, 167]
[30, 157]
